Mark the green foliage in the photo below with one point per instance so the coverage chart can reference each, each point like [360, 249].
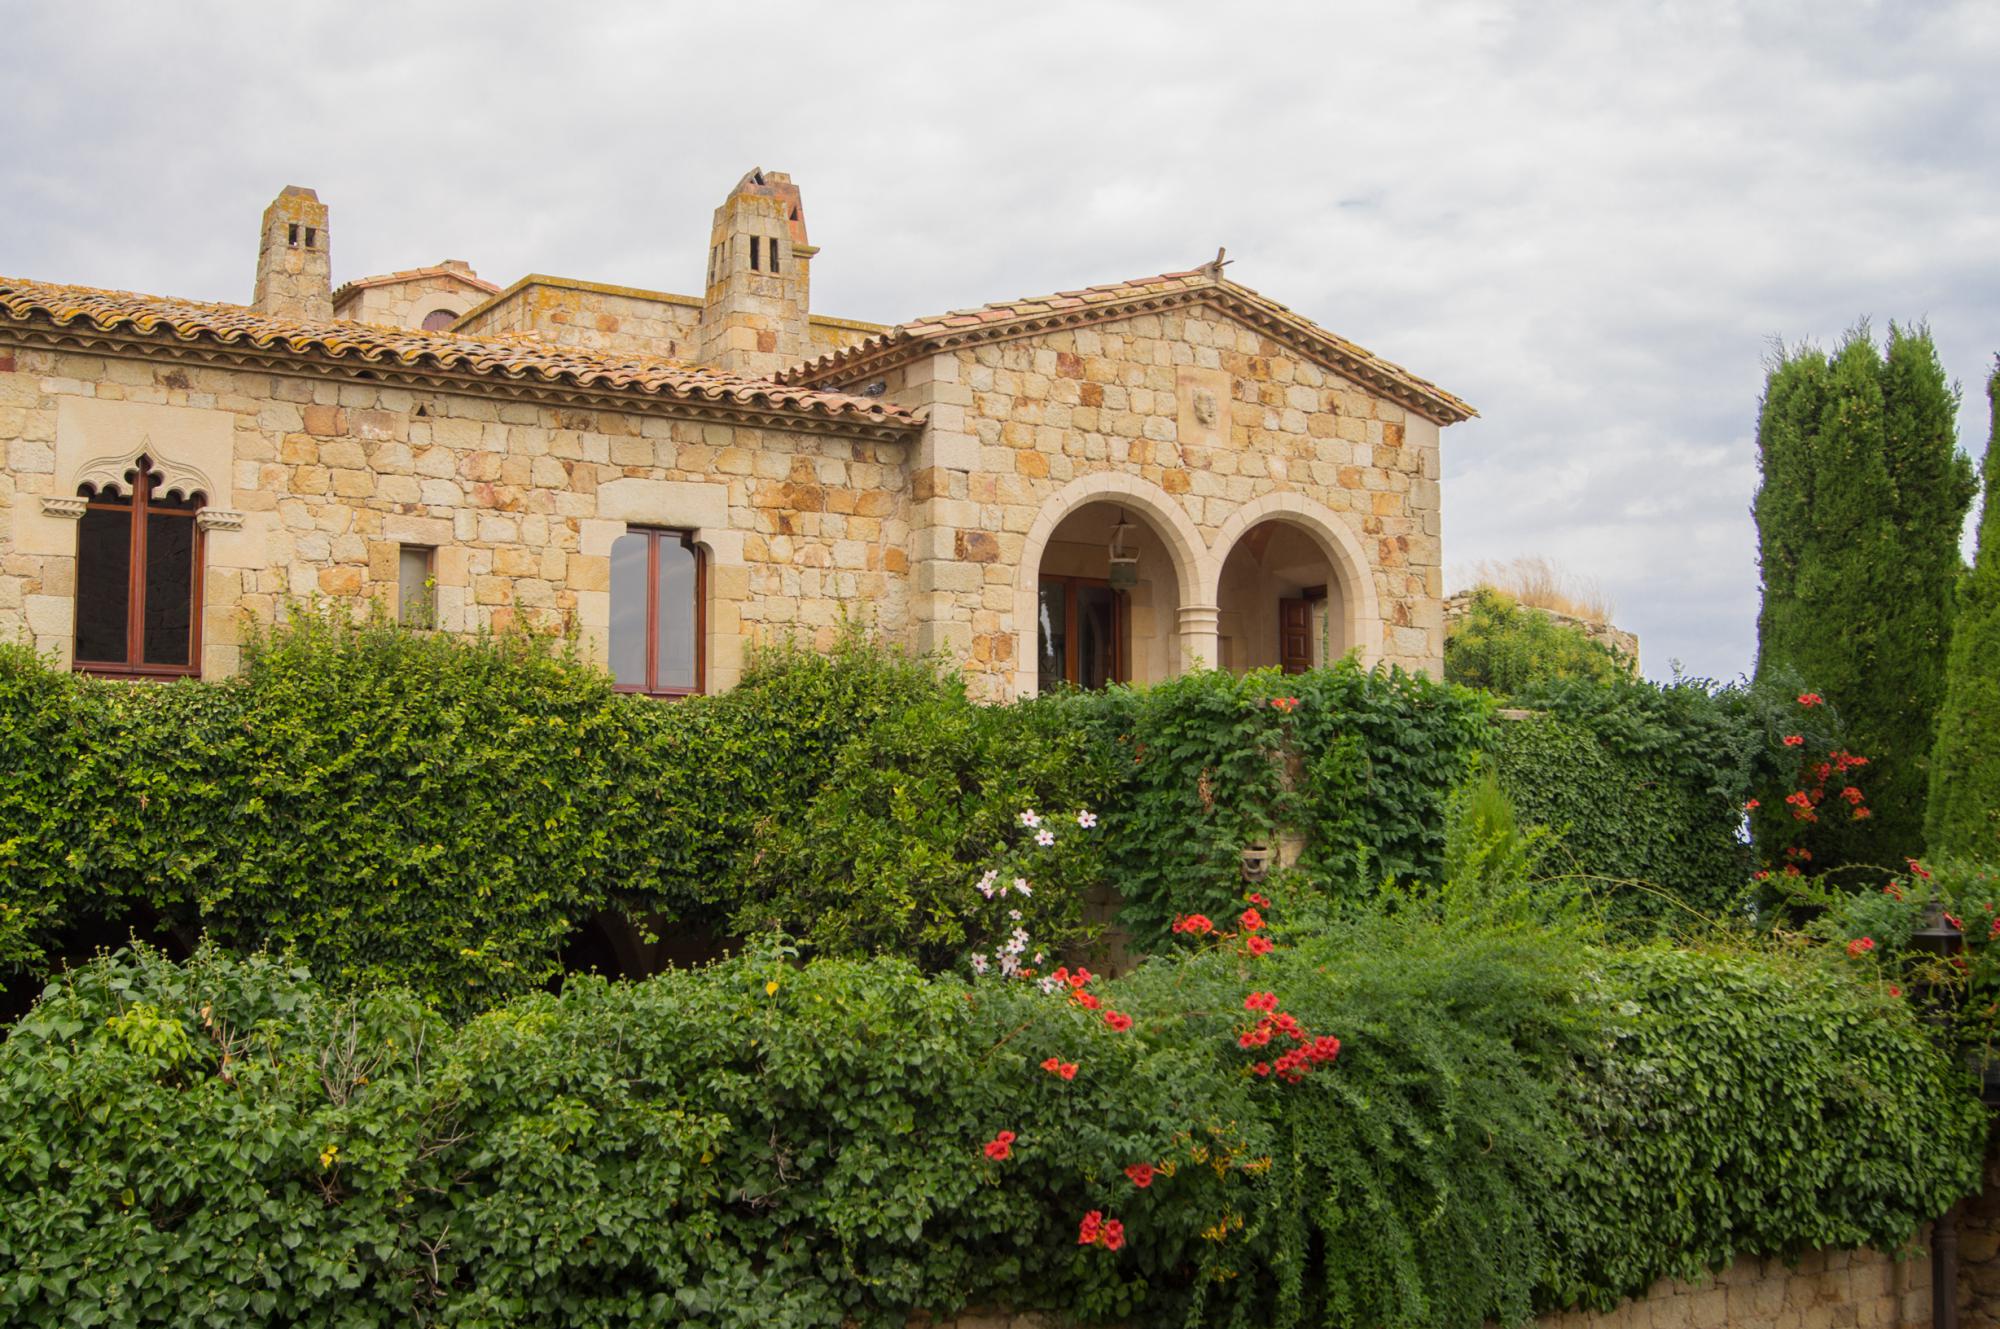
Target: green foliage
[753, 1144]
[1361, 761]
[884, 853]
[1643, 786]
[1379, 753]
[1516, 1118]
[1858, 519]
[1964, 809]
[402, 807]
[42, 744]
[1875, 934]
[411, 808]
[1499, 646]
[1754, 1102]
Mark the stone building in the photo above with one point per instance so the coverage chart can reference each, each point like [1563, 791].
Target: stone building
[1113, 483]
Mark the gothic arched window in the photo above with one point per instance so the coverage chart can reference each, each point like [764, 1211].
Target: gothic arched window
[657, 613]
[138, 578]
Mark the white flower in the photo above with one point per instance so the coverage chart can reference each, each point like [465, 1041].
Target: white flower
[1031, 818]
[1038, 957]
[1045, 838]
[1086, 819]
[1009, 966]
[1014, 914]
[979, 963]
[986, 882]
[1049, 982]
[1021, 885]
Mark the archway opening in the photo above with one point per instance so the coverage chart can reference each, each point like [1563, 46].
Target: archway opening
[1279, 602]
[1107, 601]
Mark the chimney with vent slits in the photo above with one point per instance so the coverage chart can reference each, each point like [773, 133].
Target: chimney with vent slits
[294, 272]
[755, 301]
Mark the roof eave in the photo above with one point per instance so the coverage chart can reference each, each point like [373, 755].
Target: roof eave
[126, 340]
[898, 347]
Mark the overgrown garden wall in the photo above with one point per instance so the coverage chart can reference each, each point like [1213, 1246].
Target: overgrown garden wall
[1823, 1290]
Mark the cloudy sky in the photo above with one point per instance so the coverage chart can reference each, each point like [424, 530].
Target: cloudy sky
[1590, 220]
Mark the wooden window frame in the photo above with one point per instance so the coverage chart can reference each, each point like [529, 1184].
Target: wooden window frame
[654, 535]
[134, 664]
[1121, 629]
[403, 607]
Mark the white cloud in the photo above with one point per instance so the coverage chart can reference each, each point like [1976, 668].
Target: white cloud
[1588, 220]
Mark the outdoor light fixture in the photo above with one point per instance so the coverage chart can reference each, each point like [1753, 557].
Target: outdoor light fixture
[1937, 936]
[1124, 562]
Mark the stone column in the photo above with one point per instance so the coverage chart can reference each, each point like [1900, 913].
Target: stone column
[1200, 645]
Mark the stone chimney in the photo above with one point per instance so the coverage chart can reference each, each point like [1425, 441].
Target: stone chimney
[753, 312]
[294, 273]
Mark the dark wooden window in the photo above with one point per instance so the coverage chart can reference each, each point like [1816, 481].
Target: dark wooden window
[1081, 633]
[439, 319]
[659, 618]
[138, 580]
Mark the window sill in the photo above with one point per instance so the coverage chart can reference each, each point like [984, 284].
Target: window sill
[136, 673]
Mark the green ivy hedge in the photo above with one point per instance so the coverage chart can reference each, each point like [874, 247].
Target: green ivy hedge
[1514, 1120]
[1360, 762]
[443, 813]
[417, 809]
[1645, 787]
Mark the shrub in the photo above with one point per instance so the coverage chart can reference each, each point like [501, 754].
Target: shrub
[1500, 646]
[1515, 1118]
[1964, 802]
[1645, 786]
[441, 812]
[444, 813]
[1361, 762]
[884, 853]
[1753, 1103]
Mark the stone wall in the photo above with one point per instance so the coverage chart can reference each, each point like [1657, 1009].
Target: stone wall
[626, 319]
[522, 502]
[564, 312]
[1825, 1290]
[403, 300]
[1978, 1223]
[1199, 427]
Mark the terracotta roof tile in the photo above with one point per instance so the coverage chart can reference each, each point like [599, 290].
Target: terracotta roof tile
[497, 358]
[1039, 313]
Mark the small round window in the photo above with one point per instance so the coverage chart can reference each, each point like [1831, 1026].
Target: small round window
[440, 319]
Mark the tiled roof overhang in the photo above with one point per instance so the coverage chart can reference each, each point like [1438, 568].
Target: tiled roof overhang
[1013, 319]
[79, 318]
[348, 288]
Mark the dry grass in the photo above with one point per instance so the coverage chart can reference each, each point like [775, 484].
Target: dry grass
[1536, 582]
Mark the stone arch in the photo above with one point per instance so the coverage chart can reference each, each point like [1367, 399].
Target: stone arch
[458, 303]
[1187, 551]
[1360, 604]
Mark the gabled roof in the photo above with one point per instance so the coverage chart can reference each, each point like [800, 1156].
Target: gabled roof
[459, 274]
[1011, 319]
[81, 316]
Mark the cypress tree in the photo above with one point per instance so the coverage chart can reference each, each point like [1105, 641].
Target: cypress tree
[1858, 516]
[1964, 815]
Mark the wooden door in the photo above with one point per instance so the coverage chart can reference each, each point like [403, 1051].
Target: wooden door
[1295, 635]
